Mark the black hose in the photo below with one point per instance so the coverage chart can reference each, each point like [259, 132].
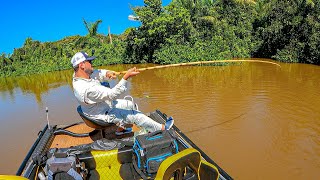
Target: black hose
[74, 124]
[66, 132]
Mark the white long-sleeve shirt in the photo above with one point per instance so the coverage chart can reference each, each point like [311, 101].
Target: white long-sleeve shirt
[95, 99]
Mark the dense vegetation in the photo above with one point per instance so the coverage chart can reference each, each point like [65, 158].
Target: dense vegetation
[187, 30]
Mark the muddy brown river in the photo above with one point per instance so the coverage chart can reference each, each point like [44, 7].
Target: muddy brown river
[256, 120]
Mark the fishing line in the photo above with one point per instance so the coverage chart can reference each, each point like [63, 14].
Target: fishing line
[214, 125]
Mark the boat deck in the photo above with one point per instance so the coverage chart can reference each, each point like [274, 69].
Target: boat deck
[120, 160]
[64, 141]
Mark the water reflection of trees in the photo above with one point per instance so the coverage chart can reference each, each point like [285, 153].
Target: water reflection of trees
[239, 74]
[36, 84]
[208, 87]
[201, 74]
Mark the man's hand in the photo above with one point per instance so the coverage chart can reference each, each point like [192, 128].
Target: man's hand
[131, 72]
[111, 75]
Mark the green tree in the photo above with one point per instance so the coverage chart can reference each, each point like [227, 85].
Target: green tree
[289, 31]
[92, 27]
[158, 26]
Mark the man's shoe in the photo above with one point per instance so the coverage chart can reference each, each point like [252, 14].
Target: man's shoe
[169, 123]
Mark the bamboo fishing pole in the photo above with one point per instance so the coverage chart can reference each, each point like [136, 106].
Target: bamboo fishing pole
[197, 63]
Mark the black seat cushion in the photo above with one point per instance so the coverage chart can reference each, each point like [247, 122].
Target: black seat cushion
[97, 122]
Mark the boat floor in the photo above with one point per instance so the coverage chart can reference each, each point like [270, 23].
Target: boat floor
[64, 141]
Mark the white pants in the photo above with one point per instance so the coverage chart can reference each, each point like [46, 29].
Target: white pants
[124, 112]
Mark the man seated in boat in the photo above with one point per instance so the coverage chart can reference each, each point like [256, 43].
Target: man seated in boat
[98, 101]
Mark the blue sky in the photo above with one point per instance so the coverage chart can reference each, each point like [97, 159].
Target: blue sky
[52, 20]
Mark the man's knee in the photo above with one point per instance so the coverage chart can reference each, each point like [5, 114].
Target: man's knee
[124, 104]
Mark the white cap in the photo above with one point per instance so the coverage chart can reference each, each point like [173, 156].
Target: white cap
[80, 57]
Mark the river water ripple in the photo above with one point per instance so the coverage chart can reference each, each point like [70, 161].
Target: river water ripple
[257, 121]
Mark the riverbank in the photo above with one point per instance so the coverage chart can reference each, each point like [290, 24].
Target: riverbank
[179, 33]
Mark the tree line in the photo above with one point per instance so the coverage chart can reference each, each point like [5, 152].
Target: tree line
[186, 31]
